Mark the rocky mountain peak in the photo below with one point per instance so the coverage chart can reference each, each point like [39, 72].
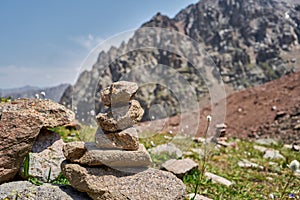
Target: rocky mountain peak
[161, 21]
[250, 42]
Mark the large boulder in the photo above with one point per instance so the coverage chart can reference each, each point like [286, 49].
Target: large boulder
[25, 190]
[20, 123]
[105, 183]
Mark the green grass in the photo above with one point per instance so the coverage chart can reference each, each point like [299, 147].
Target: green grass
[5, 100]
[248, 183]
[61, 180]
[86, 133]
[156, 138]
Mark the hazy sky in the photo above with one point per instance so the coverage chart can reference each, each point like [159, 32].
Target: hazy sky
[42, 43]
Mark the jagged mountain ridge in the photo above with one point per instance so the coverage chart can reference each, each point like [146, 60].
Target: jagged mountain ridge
[249, 41]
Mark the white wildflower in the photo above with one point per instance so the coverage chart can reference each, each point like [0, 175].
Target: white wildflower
[92, 113]
[43, 93]
[152, 143]
[209, 118]
[294, 165]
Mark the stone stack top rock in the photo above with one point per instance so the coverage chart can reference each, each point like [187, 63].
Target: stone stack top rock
[118, 93]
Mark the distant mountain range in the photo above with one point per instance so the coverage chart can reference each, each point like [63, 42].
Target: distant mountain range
[250, 41]
[53, 93]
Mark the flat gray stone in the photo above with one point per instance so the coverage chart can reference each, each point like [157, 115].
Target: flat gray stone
[24, 190]
[273, 154]
[292, 147]
[267, 142]
[107, 183]
[179, 167]
[247, 164]
[169, 148]
[260, 148]
[126, 139]
[218, 179]
[93, 156]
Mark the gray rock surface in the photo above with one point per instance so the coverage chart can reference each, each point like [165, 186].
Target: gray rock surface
[109, 184]
[20, 123]
[118, 93]
[218, 179]
[126, 139]
[93, 156]
[45, 139]
[24, 190]
[273, 154]
[266, 142]
[260, 148]
[247, 164]
[74, 150]
[170, 149]
[120, 118]
[179, 167]
[45, 164]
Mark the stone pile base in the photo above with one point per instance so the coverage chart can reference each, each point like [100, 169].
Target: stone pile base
[105, 183]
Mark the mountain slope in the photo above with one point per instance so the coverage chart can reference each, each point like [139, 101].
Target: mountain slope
[250, 42]
[54, 93]
[256, 112]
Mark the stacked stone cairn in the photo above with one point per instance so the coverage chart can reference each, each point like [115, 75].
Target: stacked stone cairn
[115, 166]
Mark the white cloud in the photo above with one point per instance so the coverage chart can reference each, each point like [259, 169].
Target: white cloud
[88, 41]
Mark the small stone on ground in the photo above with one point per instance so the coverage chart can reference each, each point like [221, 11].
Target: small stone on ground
[179, 167]
[273, 154]
[247, 164]
[170, 149]
[267, 142]
[218, 179]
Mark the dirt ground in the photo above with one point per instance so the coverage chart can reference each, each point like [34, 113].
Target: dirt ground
[271, 110]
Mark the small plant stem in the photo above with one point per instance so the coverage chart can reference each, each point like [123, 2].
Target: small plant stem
[49, 175]
[286, 185]
[203, 167]
[26, 165]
